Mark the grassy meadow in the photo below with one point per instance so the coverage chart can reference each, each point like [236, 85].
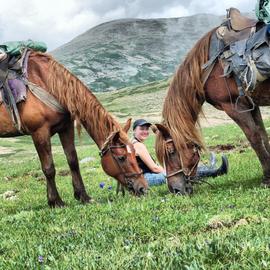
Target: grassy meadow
[223, 226]
[136, 101]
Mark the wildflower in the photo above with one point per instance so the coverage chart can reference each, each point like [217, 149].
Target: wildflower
[40, 259]
[109, 187]
[101, 184]
[155, 218]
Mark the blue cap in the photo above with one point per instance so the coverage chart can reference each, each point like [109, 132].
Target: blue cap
[141, 122]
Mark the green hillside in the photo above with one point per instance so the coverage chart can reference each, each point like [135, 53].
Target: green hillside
[129, 52]
[143, 101]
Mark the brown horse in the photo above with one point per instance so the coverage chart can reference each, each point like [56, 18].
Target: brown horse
[41, 122]
[184, 100]
[173, 162]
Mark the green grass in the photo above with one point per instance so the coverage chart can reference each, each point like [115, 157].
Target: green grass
[221, 227]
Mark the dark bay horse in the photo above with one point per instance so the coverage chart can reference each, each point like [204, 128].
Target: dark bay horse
[184, 100]
[41, 122]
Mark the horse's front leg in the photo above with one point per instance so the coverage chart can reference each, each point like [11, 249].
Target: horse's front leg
[256, 114]
[251, 124]
[41, 139]
[67, 140]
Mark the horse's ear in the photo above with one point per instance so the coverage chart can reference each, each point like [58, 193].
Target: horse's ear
[115, 136]
[154, 129]
[127, 125]
[163, 131]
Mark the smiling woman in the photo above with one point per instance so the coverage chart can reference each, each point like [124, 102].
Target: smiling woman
[153, 173]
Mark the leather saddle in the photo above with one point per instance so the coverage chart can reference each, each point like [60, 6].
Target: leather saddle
[239, 22]
[12, 86]
[236, 27]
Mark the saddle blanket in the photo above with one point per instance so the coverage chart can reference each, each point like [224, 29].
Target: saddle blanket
[18, 90]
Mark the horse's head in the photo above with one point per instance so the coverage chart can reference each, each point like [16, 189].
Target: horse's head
[180, 167]
[119, 161]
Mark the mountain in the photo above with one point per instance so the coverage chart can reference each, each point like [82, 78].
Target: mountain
[130, 52]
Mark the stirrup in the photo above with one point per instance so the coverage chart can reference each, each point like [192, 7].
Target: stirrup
[247, 110]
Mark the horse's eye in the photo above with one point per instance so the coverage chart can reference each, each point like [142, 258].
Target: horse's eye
[121, 158]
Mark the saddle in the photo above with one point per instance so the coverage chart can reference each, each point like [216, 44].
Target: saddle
[236, 27]
[239, 22]
[14, 79]
[242, 46]
[12, 86]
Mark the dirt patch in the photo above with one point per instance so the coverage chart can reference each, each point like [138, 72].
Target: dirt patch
[227, 221]
[224, 147]
[242, 147]
[63, 173]
[10, 194]
[213, 117]
[12, 139]
[6, 150]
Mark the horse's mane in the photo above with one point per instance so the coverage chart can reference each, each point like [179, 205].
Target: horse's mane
[79, 101]
[184, 100]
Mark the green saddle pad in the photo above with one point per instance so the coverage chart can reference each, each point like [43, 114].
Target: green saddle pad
[16, 47]
[262, 10]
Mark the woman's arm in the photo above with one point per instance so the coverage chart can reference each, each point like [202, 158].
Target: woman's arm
[143, 153]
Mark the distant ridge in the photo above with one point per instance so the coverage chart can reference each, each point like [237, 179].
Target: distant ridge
[129, 52]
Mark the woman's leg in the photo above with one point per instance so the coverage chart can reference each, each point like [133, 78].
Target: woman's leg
[212, 171]
[155, 179]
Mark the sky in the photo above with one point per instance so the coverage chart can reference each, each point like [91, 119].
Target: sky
[56, 22]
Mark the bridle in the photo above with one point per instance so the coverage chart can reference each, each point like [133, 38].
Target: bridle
[128, 177]
[187, 173]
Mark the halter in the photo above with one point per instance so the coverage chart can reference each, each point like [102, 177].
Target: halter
[187, 174]
[107, 149]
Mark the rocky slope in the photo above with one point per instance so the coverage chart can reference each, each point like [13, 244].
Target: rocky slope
[129, 52]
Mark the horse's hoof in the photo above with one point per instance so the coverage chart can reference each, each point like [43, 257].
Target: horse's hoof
[86, 199]
[189, 190]
[82, 197]
[56, 204]
[265, 184]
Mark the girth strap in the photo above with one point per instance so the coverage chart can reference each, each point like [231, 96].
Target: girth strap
[45, 97]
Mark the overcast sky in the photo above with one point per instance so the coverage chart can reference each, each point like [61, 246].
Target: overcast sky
[58, 21]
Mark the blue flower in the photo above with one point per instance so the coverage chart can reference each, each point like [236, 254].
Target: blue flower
[109, 187]
[101, 184]
[40, 259]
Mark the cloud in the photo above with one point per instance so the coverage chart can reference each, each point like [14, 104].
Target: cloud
[54, 22]
[171, 12]
[58, 21]
[219, 7]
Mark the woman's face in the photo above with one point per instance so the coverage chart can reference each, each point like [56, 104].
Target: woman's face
[141, 132]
